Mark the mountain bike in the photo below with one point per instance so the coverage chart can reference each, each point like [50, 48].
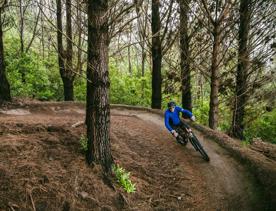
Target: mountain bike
[187, 134]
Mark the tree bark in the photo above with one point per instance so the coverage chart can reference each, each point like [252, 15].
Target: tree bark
[214, 101]
[144, 54]
[185, 55]
[4, 84]
[21, 32]
[69, 52]
[21, 10]
[129, 56]
[68, 87]
[156, 50]
[42, 37]
[98, 107]
[65, 68]
[242, 71]
[79, 53]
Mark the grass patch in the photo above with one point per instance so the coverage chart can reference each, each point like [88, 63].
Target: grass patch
[123, 178]
[83, 143]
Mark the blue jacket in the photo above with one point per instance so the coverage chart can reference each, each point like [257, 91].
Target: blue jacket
[173, 117]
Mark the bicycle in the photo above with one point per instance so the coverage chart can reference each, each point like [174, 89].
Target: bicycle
[187, 134]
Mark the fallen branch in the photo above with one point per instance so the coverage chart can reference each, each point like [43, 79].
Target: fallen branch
[78, 124]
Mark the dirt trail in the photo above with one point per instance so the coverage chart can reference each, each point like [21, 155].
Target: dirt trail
[42, 166]
[225, 183]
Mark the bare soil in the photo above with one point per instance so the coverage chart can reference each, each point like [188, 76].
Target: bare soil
[43, 168]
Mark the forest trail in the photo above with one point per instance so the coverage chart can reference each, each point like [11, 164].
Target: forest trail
[41, 165]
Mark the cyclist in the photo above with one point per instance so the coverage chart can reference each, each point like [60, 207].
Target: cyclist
[173, 122]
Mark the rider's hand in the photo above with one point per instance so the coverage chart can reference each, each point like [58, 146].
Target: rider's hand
[175, 134]
[193, 118]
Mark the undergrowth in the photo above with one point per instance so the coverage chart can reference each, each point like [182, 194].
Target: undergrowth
[123, 178]
[246, 143]
[83, 143]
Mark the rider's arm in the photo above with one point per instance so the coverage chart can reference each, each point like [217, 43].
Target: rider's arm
[184, 111]
[167, 124]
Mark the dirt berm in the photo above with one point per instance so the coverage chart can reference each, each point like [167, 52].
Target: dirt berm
[259, 162]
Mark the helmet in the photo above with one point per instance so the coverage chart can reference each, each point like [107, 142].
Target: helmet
[171, 104]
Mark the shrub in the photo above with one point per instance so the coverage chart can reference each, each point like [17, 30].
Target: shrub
[83, 143]
[263, 127]
[123, 178]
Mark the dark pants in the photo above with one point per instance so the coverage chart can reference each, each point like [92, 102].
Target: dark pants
[182, 125]
[180, 128]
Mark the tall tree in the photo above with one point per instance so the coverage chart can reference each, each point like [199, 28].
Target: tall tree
[242, 70]
[22, 11]
[214, 101]
[142, 13]
[97, 101]
[70, 75]
[65, 58]
[185, 55]
[24, 8]
[4, 84]
[216, 13]
[156, 51]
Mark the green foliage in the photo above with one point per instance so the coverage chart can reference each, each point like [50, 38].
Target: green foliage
[225, 117]
[80, 89]
[129, 89]
[245, 143]
[29, 75]
[83, 143]
[263, 127]
[123, 178]
[201, 111]
[124, 88]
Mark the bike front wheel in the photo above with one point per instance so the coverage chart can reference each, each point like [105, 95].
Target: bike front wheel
[198, 147]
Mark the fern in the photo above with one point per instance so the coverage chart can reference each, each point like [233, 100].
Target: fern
[123, 178]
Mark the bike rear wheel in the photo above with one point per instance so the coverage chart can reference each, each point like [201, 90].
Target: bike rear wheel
[198, 147]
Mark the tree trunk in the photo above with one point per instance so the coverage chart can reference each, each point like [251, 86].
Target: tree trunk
[69, 52]
[143, 68]
[156, 56]
[42, 37]
[129, 56]
[68, 87]
[65, 68]
[21, 31]
[4, 84]
[185, 56]
[214, 101]
[21, 10]
[144, 54]
[98, 108]
[242, 70]
[79, 53]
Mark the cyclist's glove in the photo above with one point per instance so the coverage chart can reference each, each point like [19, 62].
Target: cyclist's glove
[175, 134]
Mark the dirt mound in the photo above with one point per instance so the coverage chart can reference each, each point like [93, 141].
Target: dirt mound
[43, 168]
[267, 149]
